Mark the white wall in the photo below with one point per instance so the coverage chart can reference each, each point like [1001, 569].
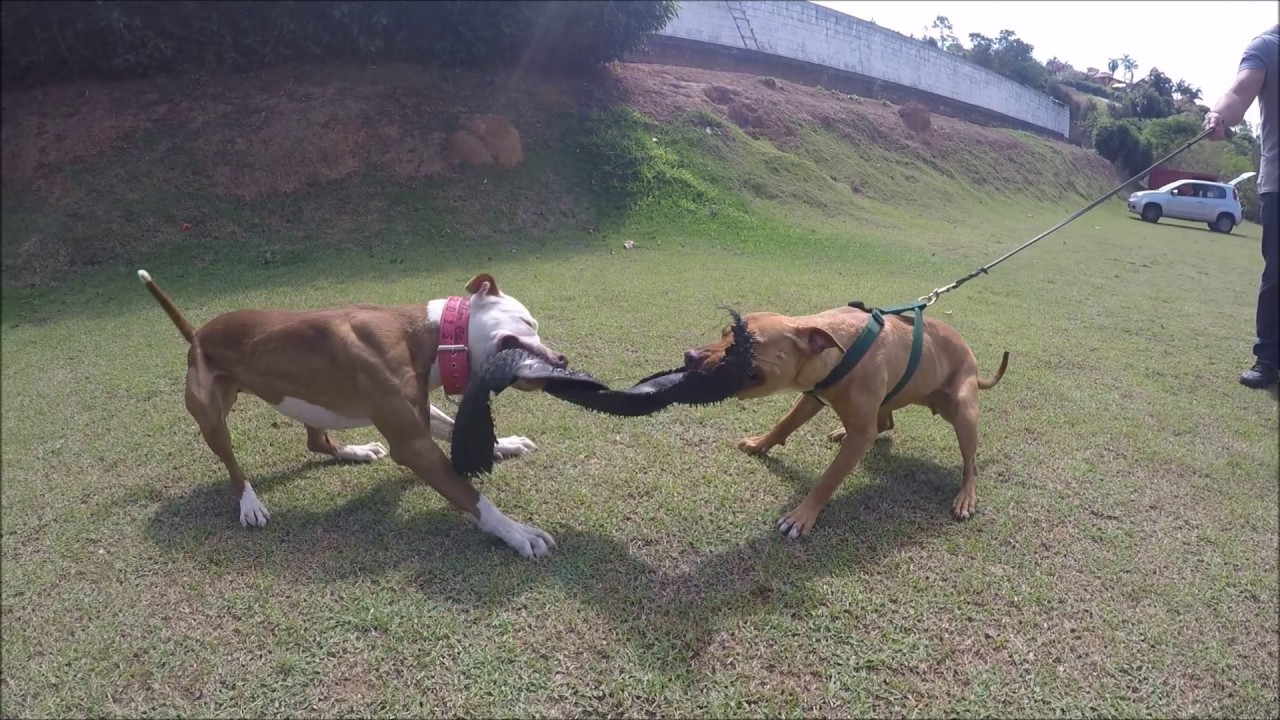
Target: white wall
[815, 34]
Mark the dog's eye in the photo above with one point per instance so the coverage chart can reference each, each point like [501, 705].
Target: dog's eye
[752, 375]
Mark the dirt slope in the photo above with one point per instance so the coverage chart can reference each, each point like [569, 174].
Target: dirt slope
[287, 129]
[73, 154]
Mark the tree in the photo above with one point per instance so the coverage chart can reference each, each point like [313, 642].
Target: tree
[945, 37]
[1120, 142]
[1161, 83]
[1245, 142]
[1146, 103]
[1009, 56]
[1166, 134]
[1112, 65]
[1130, 66]
[1186, 91]
[128, 38]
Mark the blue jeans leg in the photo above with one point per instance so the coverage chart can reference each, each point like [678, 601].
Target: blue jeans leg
[1267, 346]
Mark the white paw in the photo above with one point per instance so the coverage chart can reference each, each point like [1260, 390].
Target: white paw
[252, 512]
[527, 540]
[513, 447]
[363, 453]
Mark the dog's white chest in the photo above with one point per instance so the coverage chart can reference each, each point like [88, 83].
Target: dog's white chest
[318, 417]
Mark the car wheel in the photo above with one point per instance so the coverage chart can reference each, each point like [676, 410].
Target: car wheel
[1224, 224]
[1151, 212]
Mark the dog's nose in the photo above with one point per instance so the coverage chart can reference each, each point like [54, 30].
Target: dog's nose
[693, 359]
[559, 360]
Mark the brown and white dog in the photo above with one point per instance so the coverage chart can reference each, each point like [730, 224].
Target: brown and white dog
[796, 353]
[361, 366]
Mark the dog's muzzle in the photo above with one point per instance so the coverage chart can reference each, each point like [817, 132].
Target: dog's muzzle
[553, 358]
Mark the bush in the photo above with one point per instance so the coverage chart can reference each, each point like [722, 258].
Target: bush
[1121, 143]
[1166, 134]
[631, 161]
[46, 41]
[1089, 88]
[1085, 123]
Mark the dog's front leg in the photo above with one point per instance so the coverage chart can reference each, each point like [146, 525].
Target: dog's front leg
[858, 439]
[805, 407]
[412, 447]
[441, 425]
[505, 448]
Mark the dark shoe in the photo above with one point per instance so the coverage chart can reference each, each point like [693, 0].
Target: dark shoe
[1259, 377]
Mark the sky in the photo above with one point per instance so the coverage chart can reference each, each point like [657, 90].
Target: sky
[1200, 42]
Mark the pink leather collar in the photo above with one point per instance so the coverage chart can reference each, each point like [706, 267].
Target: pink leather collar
[452, 357]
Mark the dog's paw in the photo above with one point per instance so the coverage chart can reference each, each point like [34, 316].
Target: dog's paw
[252, 512]
[512, 447]
[363, 453]
[798, 522]
[837, 435]
[529, 541]
[964, 506]
[754, 445]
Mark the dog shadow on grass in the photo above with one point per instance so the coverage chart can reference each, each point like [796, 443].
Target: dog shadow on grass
[669, 612]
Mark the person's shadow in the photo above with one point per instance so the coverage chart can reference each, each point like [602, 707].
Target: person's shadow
[669, 612]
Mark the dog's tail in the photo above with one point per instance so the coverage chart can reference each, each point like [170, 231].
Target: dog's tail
[988, 384]
[184, 327]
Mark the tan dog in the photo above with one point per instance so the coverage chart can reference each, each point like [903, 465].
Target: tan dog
[358, 366]
[796, 353]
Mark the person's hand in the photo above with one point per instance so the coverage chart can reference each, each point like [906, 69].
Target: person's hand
[1213, 123]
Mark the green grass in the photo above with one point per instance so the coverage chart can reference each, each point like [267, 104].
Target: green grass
[1123, 560]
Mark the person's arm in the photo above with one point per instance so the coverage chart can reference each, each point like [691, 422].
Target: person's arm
[1230, 108]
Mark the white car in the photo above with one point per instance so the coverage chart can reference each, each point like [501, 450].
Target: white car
[1216, 204]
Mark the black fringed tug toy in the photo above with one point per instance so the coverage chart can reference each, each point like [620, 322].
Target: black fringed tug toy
[471, 451]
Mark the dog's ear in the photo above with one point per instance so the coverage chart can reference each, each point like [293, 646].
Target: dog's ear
[483, 284]
[816, 340]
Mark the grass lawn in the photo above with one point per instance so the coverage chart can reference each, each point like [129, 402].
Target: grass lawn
[1123, 560]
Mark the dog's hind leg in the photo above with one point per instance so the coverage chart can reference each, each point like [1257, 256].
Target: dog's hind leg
[318, 441]
[504, 449]
[884, 423]
[209, 398]
[805, 407]
[962, 413]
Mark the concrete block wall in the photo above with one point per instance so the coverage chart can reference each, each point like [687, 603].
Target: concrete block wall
[811, 33]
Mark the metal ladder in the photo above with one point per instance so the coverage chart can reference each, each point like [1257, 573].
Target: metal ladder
[743, 24]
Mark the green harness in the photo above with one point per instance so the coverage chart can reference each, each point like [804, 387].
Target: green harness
[868, 336]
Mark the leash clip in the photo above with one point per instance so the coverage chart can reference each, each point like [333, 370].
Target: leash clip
[936, 293]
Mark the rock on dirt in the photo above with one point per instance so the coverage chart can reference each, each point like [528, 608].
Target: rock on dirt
[916, 117]
[486, 140]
